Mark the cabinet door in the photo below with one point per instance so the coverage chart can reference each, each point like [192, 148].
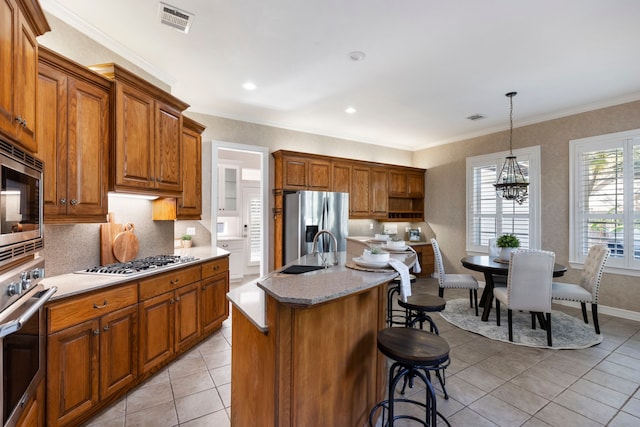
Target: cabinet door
[397, 183]
[156, 331]
[168, 148]
[52, 134]
[228, 189]
[415, 184]
[379, 192]
[8, 22]
[72, 372]
[294, 173]
[118, 350]
[134, 159]
[341, 177]
[214, 305]
[87, 150]
[359, 194]
[26, 79]
[236, 258]
[33, 415]
[318, 175]
[187, 315]
[190, 204]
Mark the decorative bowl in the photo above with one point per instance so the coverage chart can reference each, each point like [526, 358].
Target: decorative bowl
[376, 257]
[396, 244]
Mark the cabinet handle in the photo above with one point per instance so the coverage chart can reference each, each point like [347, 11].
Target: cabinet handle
[177, 299]
[172, 301]
[96, 332]
[216, 268]
[106, 328]
[174, 282]
[74, 202]
[63, 201]
[104, 304]
[21, 121]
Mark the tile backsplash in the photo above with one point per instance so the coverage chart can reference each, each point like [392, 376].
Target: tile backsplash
[73, 247]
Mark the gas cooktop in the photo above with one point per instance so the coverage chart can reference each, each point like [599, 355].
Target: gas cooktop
[138, 265]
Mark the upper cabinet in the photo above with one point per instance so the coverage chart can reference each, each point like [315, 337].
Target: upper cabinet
[406, 195]
[73, 135]
[147, 125]
[20, 23]
[190, 204]
[303, 172]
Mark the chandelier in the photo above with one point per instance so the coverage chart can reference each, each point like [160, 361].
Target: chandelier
[511, 183]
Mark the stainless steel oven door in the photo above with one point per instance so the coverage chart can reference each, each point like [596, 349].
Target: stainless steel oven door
[22, 352]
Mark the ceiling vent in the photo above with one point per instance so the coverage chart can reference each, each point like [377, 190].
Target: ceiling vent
[175, 17]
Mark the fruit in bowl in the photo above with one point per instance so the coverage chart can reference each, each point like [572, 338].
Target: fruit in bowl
[375, 255]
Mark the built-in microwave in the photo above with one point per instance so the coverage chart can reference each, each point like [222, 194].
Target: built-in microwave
[21, 203]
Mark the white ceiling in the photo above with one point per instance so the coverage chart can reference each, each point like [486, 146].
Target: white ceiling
[429, 63]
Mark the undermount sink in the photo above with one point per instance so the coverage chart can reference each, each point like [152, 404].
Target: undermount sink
[299, 269]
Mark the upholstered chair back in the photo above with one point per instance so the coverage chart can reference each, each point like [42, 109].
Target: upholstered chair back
[438, 261]
[593, 269]
[529, 280]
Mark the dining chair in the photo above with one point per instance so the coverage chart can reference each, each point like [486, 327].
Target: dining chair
[587, 290]
[528, 287]
[453, 281]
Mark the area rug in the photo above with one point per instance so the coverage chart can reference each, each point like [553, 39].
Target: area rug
[567, 332]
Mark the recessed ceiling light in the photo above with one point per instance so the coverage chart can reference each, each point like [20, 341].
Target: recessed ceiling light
[476, 117]
[249, 86]
[350, 110]
[357, 55]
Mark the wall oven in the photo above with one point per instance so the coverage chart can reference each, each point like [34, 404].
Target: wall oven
[21, 203]
[22, 337]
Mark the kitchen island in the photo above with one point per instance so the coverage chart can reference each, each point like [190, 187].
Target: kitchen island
[304, 347]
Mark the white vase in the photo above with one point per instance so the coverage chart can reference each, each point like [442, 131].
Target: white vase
[505, 253]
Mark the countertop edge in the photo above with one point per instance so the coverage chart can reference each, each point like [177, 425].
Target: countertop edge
[73, 284]
[250, 300]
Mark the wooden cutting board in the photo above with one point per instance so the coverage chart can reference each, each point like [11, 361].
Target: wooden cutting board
[125, 244]
[108, 232]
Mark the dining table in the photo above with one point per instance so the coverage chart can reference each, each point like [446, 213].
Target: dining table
[490, 267]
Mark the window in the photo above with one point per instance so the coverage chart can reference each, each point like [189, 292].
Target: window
[488, 215]
[605, 198]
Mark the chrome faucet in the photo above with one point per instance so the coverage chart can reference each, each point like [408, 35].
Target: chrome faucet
[315, 251]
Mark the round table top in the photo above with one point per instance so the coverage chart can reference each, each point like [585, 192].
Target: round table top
[486, 264]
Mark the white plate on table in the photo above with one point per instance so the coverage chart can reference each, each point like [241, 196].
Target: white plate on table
[369, 264]
[395, 249]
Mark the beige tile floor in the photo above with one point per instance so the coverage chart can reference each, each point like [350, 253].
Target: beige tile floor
[490, 383]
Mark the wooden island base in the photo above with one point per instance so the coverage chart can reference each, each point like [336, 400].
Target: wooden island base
[316, 365]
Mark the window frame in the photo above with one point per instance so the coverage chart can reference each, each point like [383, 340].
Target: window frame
[532, 155]
[626, 141]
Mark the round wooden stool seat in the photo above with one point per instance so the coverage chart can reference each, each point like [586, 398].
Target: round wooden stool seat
[413, 347]
[423, 302]
[417, 307]
[415, 353]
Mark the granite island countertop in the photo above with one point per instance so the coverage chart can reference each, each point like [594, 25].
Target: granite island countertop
[77, 283]
[307, 289]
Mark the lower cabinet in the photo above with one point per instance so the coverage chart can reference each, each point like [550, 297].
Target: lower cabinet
[425, 256]
[33, 415]
[89, 361]
[102, 344]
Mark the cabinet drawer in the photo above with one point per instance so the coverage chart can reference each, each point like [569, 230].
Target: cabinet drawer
[77, 310]
[168, 281]
[214, 267]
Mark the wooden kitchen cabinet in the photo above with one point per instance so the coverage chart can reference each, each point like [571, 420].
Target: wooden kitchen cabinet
[368, 197]
[73, 130]
[91, 351]
[341, 177]
[147, 149]
[303, 173]
[214, 308]
[20, 23]
[169, 316]
[190, 203]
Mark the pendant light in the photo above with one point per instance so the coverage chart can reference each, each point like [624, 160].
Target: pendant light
[511, 183]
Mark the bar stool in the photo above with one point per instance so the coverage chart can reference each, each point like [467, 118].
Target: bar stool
[416, 352]
[394, 289]
[417, 307]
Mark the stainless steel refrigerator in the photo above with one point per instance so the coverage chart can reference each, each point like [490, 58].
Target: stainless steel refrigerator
[306, 213]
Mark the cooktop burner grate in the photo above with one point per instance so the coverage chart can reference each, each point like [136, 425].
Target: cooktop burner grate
[137, 265]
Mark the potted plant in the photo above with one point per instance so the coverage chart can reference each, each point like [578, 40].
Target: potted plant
[186, 241]
[507, 244]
